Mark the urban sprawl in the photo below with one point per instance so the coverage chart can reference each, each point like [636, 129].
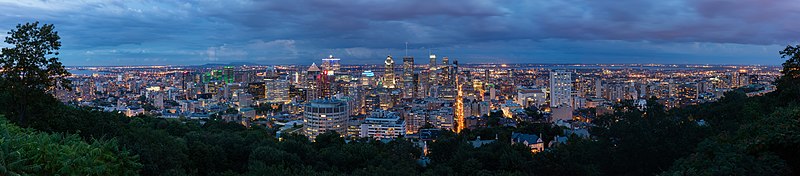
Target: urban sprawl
[404, 98]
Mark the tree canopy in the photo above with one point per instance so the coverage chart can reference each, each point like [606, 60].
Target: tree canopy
[30, 68]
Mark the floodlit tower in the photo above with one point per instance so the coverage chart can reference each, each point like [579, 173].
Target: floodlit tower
[408, 77]
[432, 77]
[388, 75]
[331, 64]
[432, 65]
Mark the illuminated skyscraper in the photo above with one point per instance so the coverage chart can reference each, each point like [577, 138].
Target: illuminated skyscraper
[432, 65]
[388, 75]
[432, 76]
[560, 88]
[227, 74]
[331, 64]
[324, 115]
[445, 71]
[408, 77]
[275, 88]
[311, 83]
[368, 78]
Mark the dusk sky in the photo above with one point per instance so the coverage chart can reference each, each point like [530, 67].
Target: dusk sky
[145, 32]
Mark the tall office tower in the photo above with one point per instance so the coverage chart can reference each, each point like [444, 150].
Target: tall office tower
[331, 64]
[311, 82]
[408, 77]
[419, 85]
[368, 79]
[227, 74]
[486, 76]
[432, 79]
[388, 75]
[445, 71]
[432, 65]
[276, 89]
[372, 101]
[323, 115]
[560, 88]
[326, 84]
[454, 71]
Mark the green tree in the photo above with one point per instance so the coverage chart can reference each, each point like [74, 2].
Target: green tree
[789, 84]
[24, 151]
[30, 68]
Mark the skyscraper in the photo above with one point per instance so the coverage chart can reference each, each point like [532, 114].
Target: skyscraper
[432, 65]
[432, 79]
[445, 71]
[331, 64]
[408, 77]
[324, 115]
[227, 74]
[313, 90]
[275, 88]
[388, 75]
[560, 88]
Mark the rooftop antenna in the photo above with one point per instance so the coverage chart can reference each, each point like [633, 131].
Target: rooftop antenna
[406, 48]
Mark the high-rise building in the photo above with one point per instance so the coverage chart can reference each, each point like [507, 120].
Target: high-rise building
[313, 88]
[227, 74]
[432, 77]
[408, 77]
[454, 71]
[323, 115]
[372, 101]
[257, 90]
[560, 88]
[445, 71]
[432, 65]
[368, 78]
[331, 64]
[388, 74]
[276, 89]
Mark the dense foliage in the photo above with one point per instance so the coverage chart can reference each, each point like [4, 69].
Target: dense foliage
[30, 67]
[27, 152]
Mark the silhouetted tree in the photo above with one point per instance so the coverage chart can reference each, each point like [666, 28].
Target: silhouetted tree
[789, 84]
[30, 68]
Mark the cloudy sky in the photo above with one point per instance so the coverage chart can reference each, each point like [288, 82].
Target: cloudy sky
[152, 32]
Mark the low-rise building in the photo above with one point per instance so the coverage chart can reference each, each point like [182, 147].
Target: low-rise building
[383, 124]
[531, 140]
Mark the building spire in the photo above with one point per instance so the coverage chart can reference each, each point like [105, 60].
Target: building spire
[406, 48]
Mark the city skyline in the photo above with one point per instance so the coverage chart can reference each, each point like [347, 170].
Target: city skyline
[106, 33]
[399, 87]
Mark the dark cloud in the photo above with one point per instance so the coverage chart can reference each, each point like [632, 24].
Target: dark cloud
[301, 31]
